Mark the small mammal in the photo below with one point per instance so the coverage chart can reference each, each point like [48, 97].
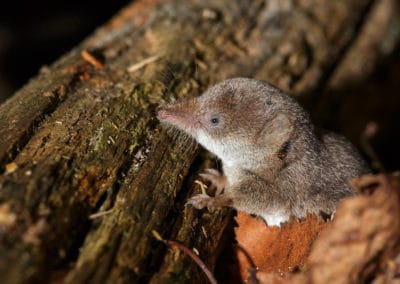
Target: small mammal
[274, 163]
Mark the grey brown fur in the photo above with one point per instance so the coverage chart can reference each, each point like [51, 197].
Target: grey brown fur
[275, 166]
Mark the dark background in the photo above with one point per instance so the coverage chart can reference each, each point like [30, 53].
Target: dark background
[35, 33]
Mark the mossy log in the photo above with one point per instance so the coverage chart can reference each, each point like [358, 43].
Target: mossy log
[81, 138]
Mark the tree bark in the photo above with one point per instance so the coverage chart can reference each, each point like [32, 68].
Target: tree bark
[82, 138]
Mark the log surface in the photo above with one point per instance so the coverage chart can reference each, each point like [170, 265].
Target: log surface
[81, 139]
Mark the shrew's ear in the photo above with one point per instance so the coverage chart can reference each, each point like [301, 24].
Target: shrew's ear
[281, 123]
[276, 127]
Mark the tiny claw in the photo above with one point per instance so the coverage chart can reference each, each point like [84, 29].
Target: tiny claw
[217, 179]
[213, 171]
[199, 201]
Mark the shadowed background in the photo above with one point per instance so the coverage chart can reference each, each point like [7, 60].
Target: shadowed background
[35, 33]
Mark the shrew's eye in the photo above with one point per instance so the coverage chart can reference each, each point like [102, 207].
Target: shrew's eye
[214, 120]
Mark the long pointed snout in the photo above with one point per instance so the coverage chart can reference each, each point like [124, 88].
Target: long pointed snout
[173, 114]
[163, 113]
[182, 115]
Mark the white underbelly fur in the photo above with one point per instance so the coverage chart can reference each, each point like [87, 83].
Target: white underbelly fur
[275, 219]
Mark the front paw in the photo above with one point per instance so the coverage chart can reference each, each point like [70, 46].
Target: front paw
[218, 180]
[200, 201]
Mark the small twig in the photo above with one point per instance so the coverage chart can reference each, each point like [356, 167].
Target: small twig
[370, 130]
[100, 214]
[91, 59]
[203, 187]
[188, 252]
[253, 268]
[142, 63]
[196, 259]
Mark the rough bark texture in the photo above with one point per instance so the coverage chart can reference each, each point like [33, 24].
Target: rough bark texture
[79, 139]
